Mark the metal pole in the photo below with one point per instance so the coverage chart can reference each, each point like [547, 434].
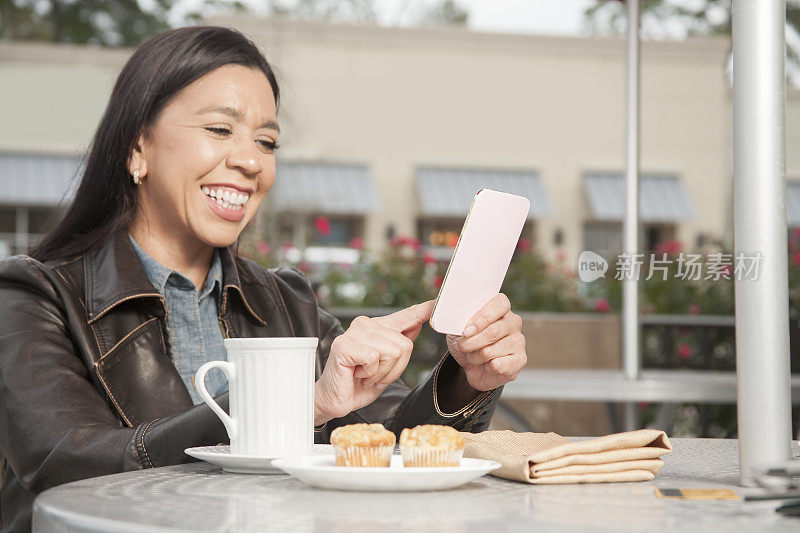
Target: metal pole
[759, 212]
[630, 287]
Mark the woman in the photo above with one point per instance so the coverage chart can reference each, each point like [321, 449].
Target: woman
[104, 326]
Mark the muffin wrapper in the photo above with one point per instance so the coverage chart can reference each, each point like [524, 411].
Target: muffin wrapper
[419, 456]
[380, 456]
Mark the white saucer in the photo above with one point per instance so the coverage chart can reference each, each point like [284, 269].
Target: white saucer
[321, 471]
[244, 464]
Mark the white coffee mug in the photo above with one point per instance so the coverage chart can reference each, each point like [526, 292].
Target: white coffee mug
[271, 395]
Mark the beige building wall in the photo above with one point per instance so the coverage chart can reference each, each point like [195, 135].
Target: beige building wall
[395, 99]
[793, 135]
[53, 96]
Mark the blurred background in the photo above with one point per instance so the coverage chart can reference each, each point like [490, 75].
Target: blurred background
[395, 112]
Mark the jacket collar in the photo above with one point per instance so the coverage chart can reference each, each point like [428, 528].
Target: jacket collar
[114, 274]
[259, 307]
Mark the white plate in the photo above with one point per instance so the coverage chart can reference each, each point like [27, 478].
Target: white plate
[321, 471]
[244, 464]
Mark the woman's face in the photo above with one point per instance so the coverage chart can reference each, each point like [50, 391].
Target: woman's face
[208, 160]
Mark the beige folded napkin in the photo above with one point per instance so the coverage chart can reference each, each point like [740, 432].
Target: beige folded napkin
[550, 458]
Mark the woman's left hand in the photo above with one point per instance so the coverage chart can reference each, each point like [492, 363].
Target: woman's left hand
[492, 349]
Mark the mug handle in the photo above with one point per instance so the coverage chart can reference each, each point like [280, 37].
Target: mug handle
[199, 380]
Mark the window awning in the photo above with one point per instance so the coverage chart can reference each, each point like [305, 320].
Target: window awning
[448, 192]
[324, 188]
[37, 179]
[662, 198]
[793, 204]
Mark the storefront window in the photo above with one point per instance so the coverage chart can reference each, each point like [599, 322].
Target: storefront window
[319, 230]
[440, 235]
[22, 227]
[605, 238]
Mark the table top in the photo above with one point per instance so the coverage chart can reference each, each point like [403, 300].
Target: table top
[611, 385]
[201, 497]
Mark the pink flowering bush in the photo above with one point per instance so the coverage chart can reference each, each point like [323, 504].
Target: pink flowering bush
[533, 284]
[322, 225]
[794, 274]
[405, 274]
[602, 305]
[670, 291]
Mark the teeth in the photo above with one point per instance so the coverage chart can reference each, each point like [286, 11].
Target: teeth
[226, 198]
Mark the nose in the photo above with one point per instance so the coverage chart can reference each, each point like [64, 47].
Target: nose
[246, 158]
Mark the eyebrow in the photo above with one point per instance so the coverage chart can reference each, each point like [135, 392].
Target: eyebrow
[235, 113]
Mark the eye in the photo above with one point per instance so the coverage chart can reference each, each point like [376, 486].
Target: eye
[270, 146]
[219, 131]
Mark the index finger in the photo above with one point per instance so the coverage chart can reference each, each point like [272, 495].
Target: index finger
[408, 318]
[494, 310]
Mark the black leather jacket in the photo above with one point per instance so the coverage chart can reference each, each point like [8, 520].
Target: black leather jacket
[87, 384]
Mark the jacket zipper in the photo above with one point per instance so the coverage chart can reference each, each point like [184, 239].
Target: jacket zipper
[469, 412]
[478, 402]
[168, 343]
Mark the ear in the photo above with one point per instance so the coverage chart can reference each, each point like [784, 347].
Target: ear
[138, 161]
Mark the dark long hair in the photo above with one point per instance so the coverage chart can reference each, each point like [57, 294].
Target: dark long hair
[106, 197]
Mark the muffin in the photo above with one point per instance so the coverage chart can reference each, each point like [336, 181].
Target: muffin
[431, 445]
[363, 445]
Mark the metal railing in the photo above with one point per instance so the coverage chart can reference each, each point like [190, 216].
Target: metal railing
[686, 342]
[710, 337]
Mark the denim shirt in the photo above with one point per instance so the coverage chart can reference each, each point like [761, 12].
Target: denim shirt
[195, 334]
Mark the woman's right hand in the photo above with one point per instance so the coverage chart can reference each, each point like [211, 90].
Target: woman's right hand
[365, 359]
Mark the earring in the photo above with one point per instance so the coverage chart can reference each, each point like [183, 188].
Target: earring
[136, 179]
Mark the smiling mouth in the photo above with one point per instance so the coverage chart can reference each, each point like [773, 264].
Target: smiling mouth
[227, 198]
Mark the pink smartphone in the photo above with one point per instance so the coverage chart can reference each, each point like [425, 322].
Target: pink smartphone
[481, 258]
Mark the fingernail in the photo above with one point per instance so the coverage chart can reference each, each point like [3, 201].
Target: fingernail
[469, 330]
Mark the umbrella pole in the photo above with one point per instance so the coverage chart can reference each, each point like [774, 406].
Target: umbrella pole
[759, 212]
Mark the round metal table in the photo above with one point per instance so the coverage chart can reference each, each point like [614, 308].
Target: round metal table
[201, 497]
